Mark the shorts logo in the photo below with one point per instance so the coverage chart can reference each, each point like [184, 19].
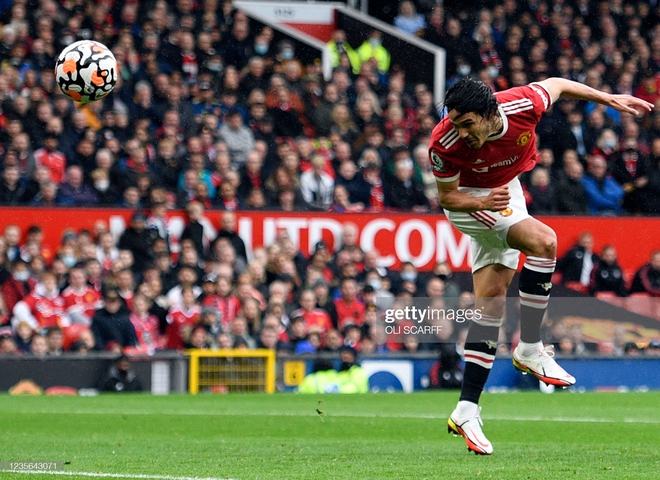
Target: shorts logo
[506, 212]
[438, 164]
[523, 138]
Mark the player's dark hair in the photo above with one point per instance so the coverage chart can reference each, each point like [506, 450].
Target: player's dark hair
[469, 95]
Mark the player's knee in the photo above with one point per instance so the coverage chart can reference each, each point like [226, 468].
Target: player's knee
[547, 245]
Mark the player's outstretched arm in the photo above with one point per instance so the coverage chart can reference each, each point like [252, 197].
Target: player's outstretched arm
[560, 87]
[455, 201]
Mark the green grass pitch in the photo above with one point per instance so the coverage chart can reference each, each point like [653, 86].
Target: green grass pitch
[376, 436]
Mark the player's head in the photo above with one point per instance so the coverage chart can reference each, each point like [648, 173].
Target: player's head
[472, 108]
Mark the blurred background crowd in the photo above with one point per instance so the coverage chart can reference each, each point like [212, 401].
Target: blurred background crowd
[213, 111]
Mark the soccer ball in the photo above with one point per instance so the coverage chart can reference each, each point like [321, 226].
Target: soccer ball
[86, 71]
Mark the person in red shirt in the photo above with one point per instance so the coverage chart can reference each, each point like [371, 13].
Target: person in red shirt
[223, 301]
[51, 158]
[80, 299]
[477, 152]
[146, 325]
[316, 319]
[181, 319]
[349, 308]
[44, 307]
[18, 286]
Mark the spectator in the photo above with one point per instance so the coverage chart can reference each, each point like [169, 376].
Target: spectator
[194, 229]
[372, 50]
[339, 47]
[316, 185]
[43, 307]
[251, 174]
[543, 197]
[18, 286]
[238, 137]
[349, 308]
[181, 319]
[228, 230]
[604, 194]
[51, 157]
[111, 325]
[408, 20]
[80, 299]
[120, 377]
[13, 189]
[74, 191]
[578, 263]
[572, 199]
[55, 341]
[138, 240]
[402, 191]
[146, 325]
[630, 170]
[239, 332]
[647, 278]
[607, 276]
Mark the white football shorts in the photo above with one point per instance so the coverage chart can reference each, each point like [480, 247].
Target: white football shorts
[488, 230]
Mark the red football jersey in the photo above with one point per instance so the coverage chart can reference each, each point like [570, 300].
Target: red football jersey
[227, 306]
[317, 320]
[49, 311]
[504, 156]
[147, 331]
[87, 301]
[181, 322]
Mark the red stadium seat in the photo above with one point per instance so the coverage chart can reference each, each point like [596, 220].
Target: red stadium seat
[71, 334]
[578, 287]
[641, 304]
[612, 298]
[556, 278]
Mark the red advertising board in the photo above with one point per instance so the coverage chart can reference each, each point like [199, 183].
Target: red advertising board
[398, 237]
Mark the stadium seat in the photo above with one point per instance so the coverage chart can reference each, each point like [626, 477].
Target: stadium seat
[612, 298]
[578, 287]
[71, 334]
[557, 277]
[641, 304]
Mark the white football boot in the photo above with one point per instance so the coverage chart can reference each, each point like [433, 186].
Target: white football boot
[467, 423]
[542, 366]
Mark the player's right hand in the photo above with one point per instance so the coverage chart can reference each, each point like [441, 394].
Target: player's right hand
[498, 199]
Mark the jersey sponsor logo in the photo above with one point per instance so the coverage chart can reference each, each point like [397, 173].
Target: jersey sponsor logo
[506, 212]
[503, 163]
[523, 138]
[438, 164]
[508, 161]
[479, 161]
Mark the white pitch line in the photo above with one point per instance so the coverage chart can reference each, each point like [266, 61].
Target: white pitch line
[414, 416]
[111, 475]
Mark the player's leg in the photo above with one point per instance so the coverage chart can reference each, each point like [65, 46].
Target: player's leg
[539, 243]
[490, 285]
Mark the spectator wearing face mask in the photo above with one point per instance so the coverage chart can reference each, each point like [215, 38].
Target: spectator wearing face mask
[372, 48]
[18, 286]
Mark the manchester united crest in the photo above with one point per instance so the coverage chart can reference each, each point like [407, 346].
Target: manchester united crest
[523, 138]
[506, 212]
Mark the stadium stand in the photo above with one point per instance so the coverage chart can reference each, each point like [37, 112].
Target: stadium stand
[216, 111]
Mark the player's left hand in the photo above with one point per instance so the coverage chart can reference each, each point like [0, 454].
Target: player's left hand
[629, 104]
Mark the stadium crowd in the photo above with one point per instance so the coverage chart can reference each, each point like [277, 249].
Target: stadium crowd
[212, 113]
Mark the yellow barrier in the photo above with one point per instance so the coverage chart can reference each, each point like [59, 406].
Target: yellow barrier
[231, 370]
